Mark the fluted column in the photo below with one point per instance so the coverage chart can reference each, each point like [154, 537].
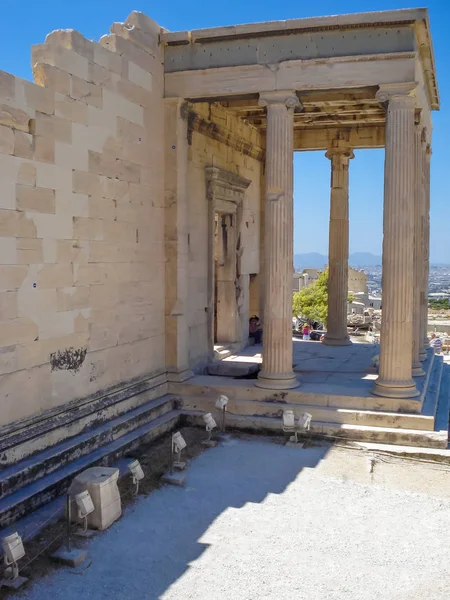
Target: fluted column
[426, 256]
[338, 248]
[395, 379]
[277, 370]
[417, 370]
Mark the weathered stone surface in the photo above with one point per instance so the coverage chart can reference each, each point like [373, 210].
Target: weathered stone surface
[8, 305]
[55, 276]
[8, 251]
[14, 117]
[139, 76]
[52, 127]
[39, 98]
[15, 223]
[35, 199]
[86, 92]
[12, 277]
[29, 251]
[27, 174]
[73, 298]
[6, 140]
[44, 149]
[52, 78]
[23, 145]
[7, 86]
[17, 331]
[72, 110]
[72, 40]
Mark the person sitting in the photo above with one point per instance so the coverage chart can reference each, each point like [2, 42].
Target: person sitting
[306, 331]
[254, 329]
[436, 343]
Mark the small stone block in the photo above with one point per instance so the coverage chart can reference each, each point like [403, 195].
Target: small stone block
[72, 559]
[209, 443]
[13, 584]
[84, 534]
[294, 444]
[179, 466]
[174, 479]
[224, 438]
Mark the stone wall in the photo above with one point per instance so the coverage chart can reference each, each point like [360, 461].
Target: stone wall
[221, 140]
[82, 219]
[357, 281]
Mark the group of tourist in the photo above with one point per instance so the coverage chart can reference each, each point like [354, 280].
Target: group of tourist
[255, 330]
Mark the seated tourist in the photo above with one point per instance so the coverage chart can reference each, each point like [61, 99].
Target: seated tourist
[306, 331]
[254, 329]
[436, 343]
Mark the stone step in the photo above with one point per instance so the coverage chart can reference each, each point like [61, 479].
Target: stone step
[51, 459]
[344, 416]
[386, 435]
[228, 368]
[331, 396]
[43, 490]
[36, 434]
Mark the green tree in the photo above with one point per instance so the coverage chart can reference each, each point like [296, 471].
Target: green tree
[440, 303]
[312, 302]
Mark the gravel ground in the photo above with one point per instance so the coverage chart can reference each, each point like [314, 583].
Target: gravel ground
[258, 520]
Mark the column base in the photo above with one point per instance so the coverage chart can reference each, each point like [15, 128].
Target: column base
[179, 376]
[417, 370]
[422, 355]
[395, 389]
[278, 381]
[333, 341]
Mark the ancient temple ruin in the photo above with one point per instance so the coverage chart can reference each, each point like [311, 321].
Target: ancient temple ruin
[147, 212]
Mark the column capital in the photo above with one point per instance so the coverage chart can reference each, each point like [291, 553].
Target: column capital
[341, 153]
[288, 98]
[402, 94]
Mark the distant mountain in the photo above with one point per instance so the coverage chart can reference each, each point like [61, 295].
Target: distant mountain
[310, 260]
[314, 260]
[364, 259]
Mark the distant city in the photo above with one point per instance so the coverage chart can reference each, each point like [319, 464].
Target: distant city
[439, 282]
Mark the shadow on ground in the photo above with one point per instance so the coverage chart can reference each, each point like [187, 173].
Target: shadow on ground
[149, 549]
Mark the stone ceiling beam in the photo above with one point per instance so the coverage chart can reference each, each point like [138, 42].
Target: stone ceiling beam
[321, 139]
[315, 74]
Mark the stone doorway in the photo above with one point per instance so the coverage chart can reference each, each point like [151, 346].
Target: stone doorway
[225, 192]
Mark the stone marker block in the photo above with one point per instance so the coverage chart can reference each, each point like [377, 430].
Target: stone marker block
[176, 478]
[101, 483]
[72, 559]
[13, 584]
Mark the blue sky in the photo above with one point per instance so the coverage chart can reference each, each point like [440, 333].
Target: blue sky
[27, 22]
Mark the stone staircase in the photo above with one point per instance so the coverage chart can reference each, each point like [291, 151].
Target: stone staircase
[336, 416]
[40, 457]
[40, 460]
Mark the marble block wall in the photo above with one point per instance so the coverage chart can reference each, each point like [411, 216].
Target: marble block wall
[82, 277]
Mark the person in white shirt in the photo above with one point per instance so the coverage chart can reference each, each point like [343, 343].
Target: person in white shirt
[436, 343]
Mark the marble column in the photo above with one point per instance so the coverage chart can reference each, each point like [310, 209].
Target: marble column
[425, 255]
[338, 248]
[417, 370]
[176, 240]
[395, 377]
[277, 372]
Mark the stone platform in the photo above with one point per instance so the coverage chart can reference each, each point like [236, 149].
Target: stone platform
[335, 387]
